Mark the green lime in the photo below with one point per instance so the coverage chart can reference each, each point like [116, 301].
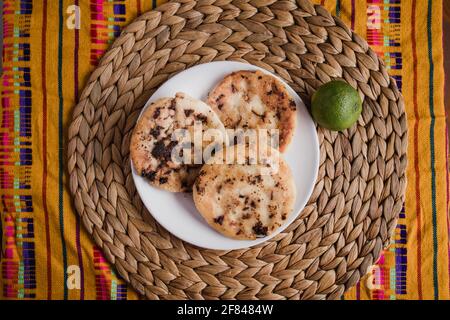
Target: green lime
[336, 105]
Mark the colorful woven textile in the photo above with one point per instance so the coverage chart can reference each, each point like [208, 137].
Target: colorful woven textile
[50, 47]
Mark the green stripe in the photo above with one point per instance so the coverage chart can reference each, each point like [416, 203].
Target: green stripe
[153, 4]
[432, 151]
[61, 146]
[338, 8]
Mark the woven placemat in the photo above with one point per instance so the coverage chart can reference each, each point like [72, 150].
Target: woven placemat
[361, 183]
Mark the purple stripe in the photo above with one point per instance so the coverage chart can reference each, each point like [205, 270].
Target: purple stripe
[358, 291]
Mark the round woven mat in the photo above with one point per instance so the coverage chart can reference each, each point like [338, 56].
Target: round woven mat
[361, 183]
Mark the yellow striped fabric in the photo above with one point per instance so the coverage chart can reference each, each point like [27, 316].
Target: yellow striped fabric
[50, 48]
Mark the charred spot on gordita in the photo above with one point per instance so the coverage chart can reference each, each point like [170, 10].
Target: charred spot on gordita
[219, 220]
[259, 229]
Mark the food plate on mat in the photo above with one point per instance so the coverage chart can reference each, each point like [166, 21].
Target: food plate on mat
[177, 212]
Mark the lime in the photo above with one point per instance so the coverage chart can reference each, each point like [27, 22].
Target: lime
[336, 105]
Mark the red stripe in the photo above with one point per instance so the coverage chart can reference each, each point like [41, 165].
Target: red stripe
[138, 7]
[44, 150]
[416, 152]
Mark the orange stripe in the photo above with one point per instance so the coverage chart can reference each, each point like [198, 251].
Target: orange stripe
[78, 219]
[447, 195]
[416, 152]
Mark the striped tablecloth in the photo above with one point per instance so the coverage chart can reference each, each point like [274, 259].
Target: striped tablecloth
[50, 47]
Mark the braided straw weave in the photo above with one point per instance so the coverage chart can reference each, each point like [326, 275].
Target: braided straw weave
[361, 182]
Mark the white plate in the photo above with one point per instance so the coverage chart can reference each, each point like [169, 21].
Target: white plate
[176, 211]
